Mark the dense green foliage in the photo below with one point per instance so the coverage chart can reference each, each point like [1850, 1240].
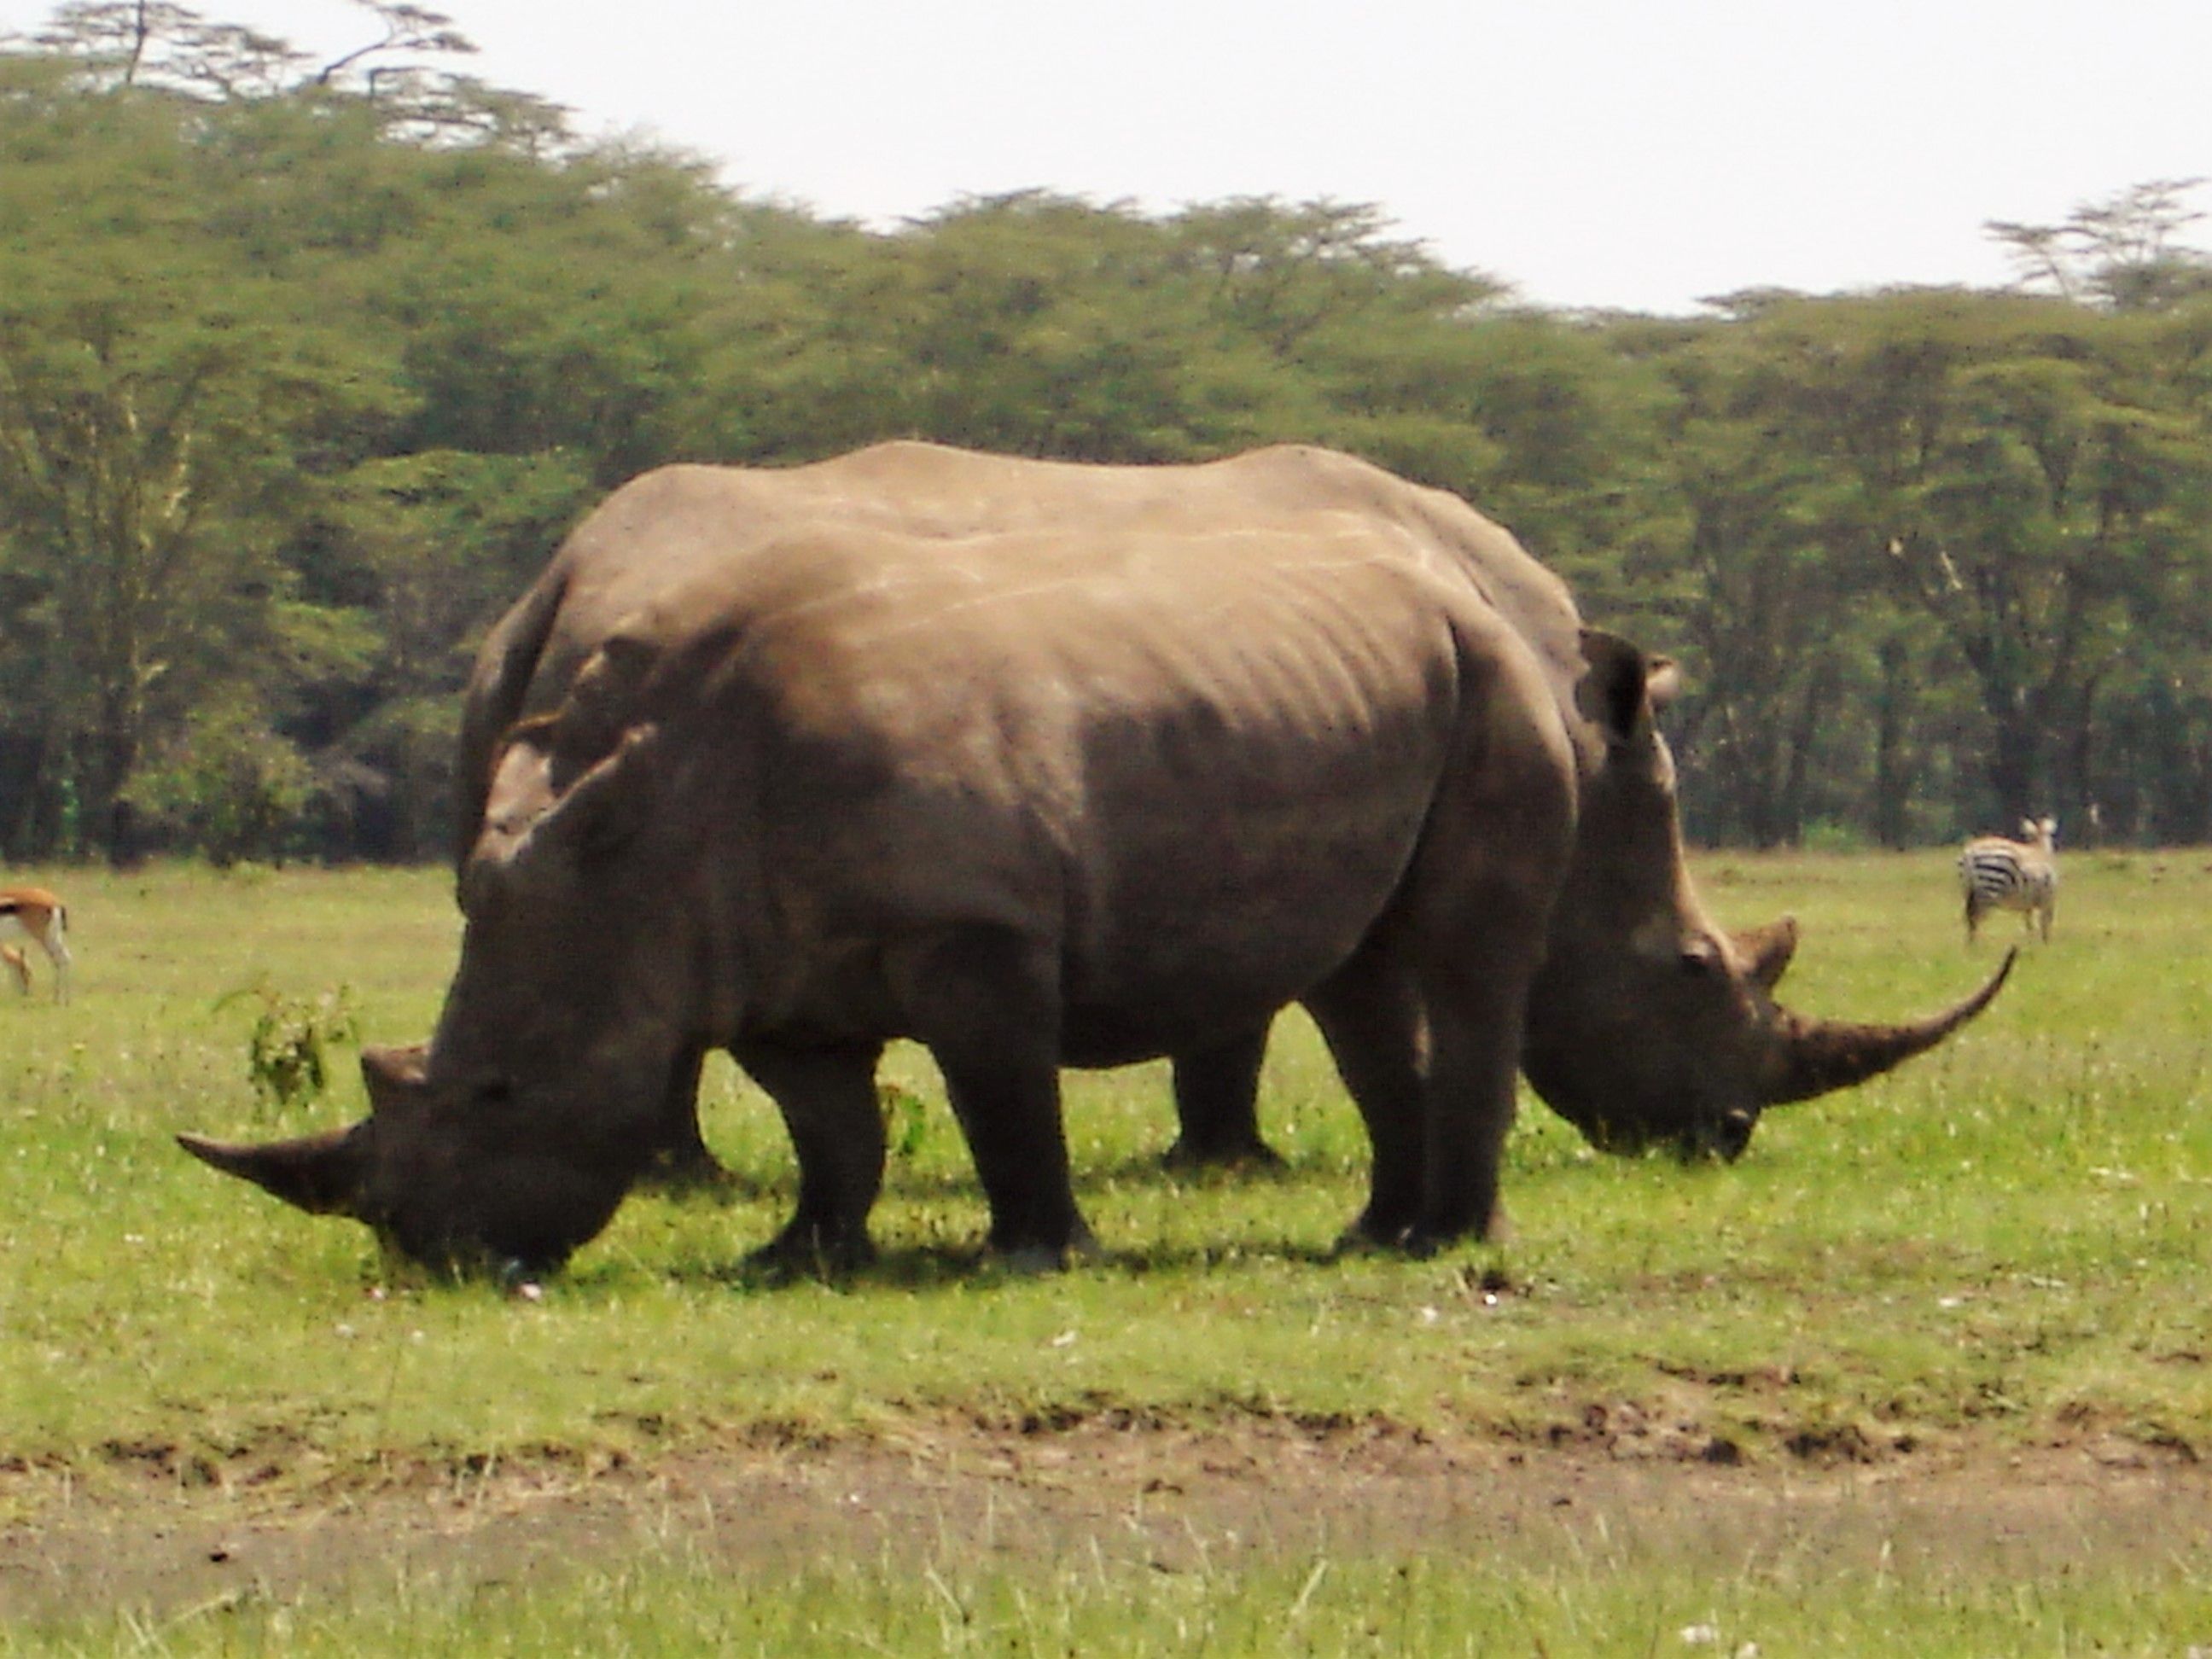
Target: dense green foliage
[303, 370]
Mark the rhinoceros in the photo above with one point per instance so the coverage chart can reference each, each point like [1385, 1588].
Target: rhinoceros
[529, 664]
[1045, 765]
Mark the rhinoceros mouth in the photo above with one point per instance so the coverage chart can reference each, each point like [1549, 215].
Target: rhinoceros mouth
[1723, 1137]
[1693, 1136]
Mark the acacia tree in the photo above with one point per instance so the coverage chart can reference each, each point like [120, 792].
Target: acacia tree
[227, 282]
[1748, 590]
[1045, 324]
[432, 545]
[2125, 253]
[1358, 333]
[153, 388]
[2016, 466]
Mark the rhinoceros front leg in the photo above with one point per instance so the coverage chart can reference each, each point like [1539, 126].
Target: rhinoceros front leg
[828, 1099]
[1474, 1018]
[1429, 1051]
[1371, 1019]
[1476, 914]
[1217, 1092]
[985, 1001]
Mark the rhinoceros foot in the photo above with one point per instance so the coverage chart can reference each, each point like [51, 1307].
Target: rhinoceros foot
[1244, 1155]
[1031, 1258]
[803, 1250]
[691, 1174]
[1420, 1241]
[1361, 1238]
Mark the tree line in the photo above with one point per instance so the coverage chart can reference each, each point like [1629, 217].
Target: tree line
[304, 367]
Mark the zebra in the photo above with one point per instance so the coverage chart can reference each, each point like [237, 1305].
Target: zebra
[1996, 874]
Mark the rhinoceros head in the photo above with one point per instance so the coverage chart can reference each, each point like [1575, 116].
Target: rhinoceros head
[1649, 1025]
[509, 1139]
[449, 1176]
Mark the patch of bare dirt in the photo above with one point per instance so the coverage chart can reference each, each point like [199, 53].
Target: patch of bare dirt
[170, 1537]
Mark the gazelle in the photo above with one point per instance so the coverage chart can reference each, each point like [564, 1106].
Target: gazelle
[36, 916]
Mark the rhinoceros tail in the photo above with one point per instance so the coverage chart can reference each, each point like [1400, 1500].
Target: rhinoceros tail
[1817, 1056]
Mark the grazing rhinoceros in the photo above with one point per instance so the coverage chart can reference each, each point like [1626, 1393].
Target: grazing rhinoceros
[597, 584]
[1046, 765]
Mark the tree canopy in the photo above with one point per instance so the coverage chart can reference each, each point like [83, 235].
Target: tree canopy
[304, 367]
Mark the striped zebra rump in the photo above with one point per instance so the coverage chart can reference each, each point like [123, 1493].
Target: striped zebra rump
[1997, 874]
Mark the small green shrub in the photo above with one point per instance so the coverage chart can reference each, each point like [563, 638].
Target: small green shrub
[286, 1052]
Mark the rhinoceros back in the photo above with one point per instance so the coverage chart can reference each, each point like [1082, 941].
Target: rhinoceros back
[677, 524]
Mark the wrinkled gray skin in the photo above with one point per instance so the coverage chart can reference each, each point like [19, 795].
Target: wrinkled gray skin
[1044, 765]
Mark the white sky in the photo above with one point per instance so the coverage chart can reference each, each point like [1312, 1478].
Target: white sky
[1637, 153]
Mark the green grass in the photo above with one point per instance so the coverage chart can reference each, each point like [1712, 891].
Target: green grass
[2007, 1233]
[2000, 1247]
[1603, 1606]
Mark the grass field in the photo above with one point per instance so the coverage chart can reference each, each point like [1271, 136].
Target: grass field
[1974, 1289]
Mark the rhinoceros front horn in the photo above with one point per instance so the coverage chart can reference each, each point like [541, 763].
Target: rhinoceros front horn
[1816, 1056]
[321, 1174]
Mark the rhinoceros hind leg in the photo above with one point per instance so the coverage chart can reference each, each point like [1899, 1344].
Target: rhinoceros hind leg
[828, 1099]
[802, 1250]
[1217, 1092]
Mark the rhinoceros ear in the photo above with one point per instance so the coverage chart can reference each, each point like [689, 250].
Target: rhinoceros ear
[1621, 683]
[396, 1078]
[546, 761]
[548, 833]
[1766, 952]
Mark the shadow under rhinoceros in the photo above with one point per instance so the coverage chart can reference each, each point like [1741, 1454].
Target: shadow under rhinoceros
[933, 1267]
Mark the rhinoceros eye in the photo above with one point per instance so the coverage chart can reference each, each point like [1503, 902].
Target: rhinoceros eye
[1700, 956]
[495, 1092]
